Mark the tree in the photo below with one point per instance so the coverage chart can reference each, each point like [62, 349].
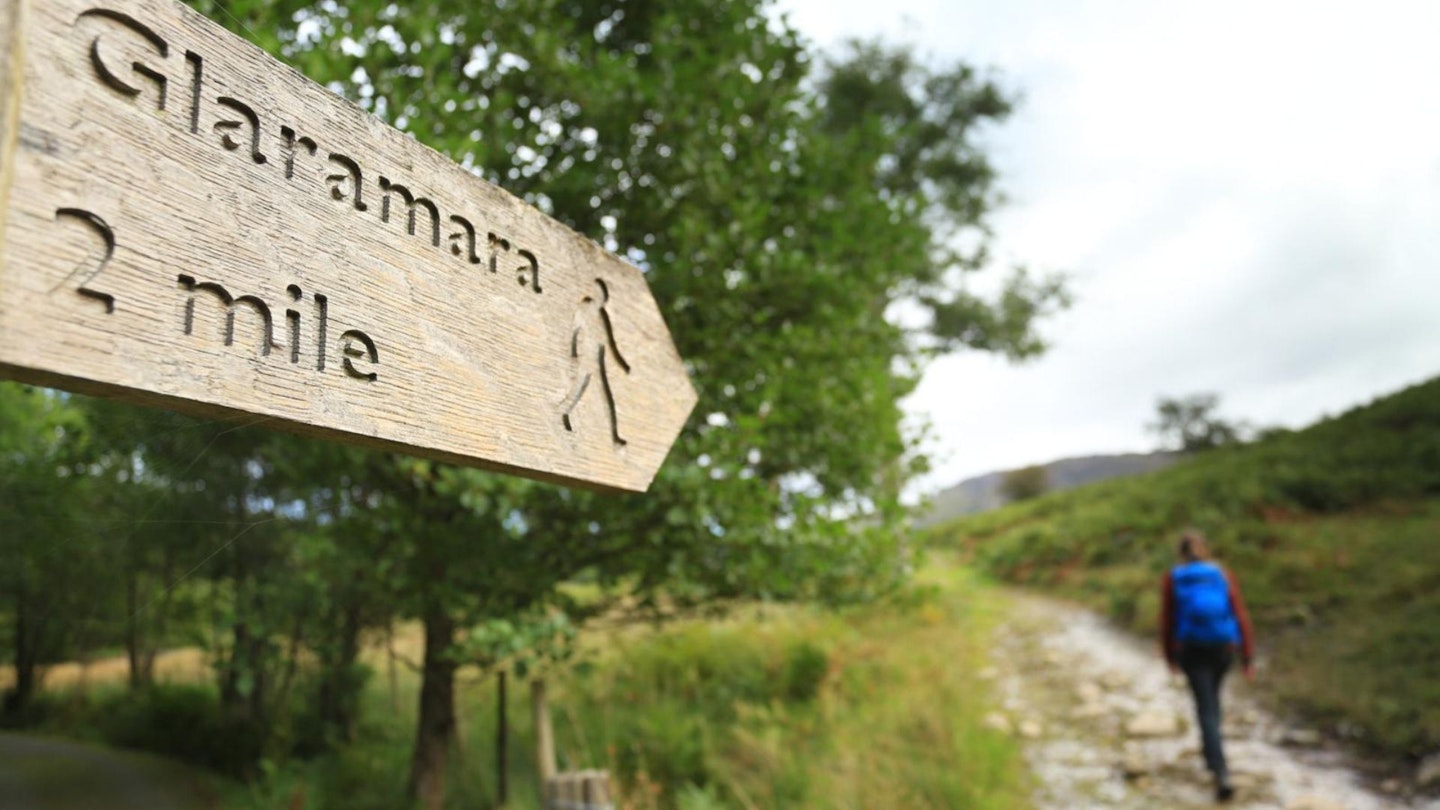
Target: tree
[239, 528]
[1026, 482]
[780, 212]
[1189, 424]
[915, 127]
[55, 586]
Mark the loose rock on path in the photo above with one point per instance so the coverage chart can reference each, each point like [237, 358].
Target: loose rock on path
[1112, 729]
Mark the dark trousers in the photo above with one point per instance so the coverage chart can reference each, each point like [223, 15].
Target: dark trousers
[1205, 666]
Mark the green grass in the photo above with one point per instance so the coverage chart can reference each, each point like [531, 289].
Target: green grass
[876, 707]
[1331, 531]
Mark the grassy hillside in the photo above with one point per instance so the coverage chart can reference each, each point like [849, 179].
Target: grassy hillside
[1332, 531]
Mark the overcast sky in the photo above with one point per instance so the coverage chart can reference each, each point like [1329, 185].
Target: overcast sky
[1245, 194]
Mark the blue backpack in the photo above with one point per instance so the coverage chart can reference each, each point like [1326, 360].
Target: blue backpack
[1202, 604]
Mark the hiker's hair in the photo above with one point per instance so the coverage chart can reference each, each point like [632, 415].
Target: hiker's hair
[1194, 546]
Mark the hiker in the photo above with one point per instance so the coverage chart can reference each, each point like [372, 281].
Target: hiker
[1203, 624]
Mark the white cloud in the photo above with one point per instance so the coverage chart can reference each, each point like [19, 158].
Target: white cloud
[1247, 195]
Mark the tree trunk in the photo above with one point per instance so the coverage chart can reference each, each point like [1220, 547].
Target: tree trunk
[26, 657]
[229, 674]
[394, 670]
[141, 659]
[244, 682]
[230, 696]
[341, 684]
[157, 620]
[280, 702]
[257, 665]
[544, 736]
[502, 734]
[435, 730]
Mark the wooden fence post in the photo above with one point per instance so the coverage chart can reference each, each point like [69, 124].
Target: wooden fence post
[578, 790]
[502, 734]
[544, 735]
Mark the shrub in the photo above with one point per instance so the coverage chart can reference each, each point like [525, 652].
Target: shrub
[806, 665]
[185, 722]
[669, 742]
[61, 712]
[692, 797]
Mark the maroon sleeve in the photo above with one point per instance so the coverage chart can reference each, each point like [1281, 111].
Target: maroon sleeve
[1242, 617]
[1167, 618]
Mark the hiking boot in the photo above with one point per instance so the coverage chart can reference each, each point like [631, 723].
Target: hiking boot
[1224, 791]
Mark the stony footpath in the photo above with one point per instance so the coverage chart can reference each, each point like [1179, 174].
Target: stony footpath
[1106, 726]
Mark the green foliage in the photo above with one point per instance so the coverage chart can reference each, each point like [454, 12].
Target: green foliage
[1026, 482]
[658, 707]
[1190, 423]
[915, 127]
[806, 665]
[843, 188]
[186, 723]
[54, 713]
[779, 205]
[692, 797]
[776, 710]
[716, 667]
[56, 588]
[367, 774]
[1329, 529]
[1350, 601]
[839, 191]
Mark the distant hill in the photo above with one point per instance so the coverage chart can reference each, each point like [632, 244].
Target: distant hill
[1331, 531]
[983, 491]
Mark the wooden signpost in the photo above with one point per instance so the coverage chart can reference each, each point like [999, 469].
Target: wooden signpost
[187, 222]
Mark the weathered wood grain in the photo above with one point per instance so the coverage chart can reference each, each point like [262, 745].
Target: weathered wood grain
[190, 223]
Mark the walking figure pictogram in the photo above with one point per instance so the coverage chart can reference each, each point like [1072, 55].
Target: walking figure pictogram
[592, 344]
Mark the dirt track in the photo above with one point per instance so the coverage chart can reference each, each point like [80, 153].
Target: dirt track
[1106, 727]
[37, 773]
